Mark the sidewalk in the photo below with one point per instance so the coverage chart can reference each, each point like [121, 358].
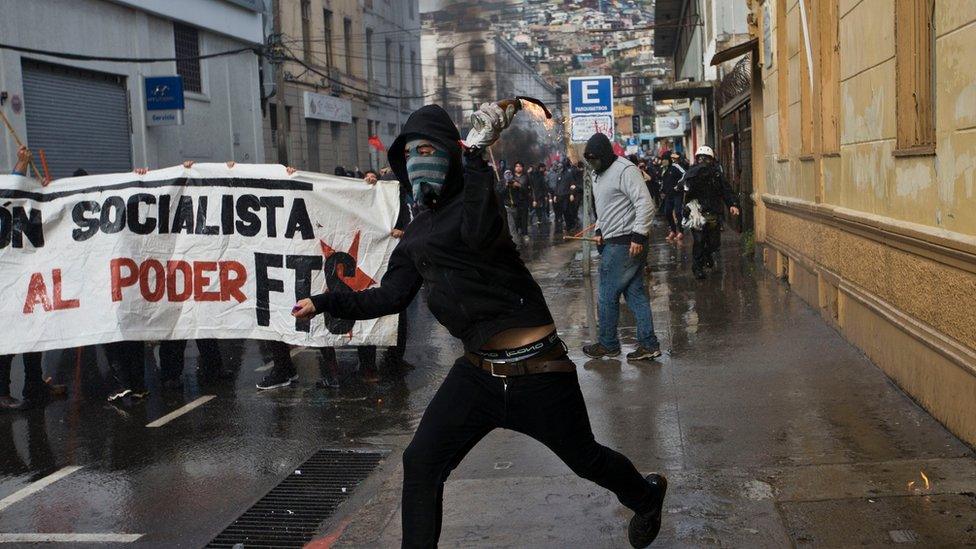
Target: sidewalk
[772, 430]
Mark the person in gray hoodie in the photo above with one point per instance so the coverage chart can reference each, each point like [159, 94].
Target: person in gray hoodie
[624, 210]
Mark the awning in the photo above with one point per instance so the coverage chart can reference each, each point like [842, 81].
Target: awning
[683, 90]
[735, 51]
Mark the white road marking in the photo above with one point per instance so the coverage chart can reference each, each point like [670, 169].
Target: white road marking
[270, 364]
[37, 486]
[69, 538]
[180, 411]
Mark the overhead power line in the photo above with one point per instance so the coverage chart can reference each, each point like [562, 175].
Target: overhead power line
[83, 57]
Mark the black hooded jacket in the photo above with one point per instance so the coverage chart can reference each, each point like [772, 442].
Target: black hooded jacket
[706, 184]
[460, 248]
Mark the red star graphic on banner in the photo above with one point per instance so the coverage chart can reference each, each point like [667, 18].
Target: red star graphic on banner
[357, 281]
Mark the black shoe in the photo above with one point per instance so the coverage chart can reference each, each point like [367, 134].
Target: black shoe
[139, 394]
[645, 526]
[643, 353]
[276, 379]
[597, 350]
[120, 393]
[699, 274]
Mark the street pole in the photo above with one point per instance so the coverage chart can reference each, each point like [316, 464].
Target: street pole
[587, 194]
[444, 84]
[587, 247]
[281, 111]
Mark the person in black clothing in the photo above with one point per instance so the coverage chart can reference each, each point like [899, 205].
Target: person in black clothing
[705, 183]
[575, 198]
[561, 199]
[524, 200]
[127, 362]
[540, 194]
[672, 194]
[515, 373]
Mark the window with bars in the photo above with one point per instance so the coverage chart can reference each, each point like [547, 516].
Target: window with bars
[369, 56]
[402, 71]
[307, 30]
[445, 62]
[915, 76]
[389, 63]
[806, 83]
[327, 37]
[186, 40]
[829, 22]
[477, 53]
[782, 79]
[347, 42]
[413, 72]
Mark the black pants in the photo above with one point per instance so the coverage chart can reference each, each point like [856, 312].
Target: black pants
[172, 359]
[471, 403]
[572, 214]
[33, 375]
[707, 241]
[522, 219]
[127, 361]
[673, 205]
[559, 211]
[542, 212]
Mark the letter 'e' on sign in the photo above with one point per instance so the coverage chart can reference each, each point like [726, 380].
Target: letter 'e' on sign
[590, 107]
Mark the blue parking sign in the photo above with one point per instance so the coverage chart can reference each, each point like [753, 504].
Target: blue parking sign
[591, 95]
[164, 93]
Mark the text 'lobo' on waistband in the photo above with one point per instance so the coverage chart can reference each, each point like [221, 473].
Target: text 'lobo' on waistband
[523, 352]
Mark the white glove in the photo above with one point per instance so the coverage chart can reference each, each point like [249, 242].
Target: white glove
[487, 124]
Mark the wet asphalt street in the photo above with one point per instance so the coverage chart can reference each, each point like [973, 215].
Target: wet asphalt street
[773, 430]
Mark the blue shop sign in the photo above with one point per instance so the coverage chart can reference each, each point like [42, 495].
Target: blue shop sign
[164, 93]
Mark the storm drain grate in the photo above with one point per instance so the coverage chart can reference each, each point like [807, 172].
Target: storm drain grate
[290, 514]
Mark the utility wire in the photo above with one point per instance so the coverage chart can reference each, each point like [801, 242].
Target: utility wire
[82, 57]
[292, 57]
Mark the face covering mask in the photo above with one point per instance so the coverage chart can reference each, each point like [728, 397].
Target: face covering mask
[595, 163]
[427, 173]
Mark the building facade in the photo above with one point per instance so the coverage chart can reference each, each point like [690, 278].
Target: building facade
[691, 32]
[476, 67]
[91, 115]
[350, 75]
[864, 146]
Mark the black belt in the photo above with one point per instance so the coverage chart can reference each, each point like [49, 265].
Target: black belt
[550, 361]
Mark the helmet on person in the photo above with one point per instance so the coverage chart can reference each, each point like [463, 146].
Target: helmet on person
[705, 150]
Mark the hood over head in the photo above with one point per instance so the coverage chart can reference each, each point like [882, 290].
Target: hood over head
[433, 123]
[599, 147]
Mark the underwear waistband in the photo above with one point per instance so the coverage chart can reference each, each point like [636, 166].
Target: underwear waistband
[521, 353]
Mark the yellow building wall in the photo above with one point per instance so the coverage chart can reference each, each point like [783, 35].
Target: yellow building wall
[883, 245]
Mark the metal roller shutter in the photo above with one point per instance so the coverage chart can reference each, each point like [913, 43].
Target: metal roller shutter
[80, 118]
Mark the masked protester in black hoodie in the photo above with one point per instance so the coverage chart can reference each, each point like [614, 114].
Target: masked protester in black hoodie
[705, 183]
[515, 373]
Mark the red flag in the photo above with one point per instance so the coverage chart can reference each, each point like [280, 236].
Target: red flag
[618, 149]
[374, 141]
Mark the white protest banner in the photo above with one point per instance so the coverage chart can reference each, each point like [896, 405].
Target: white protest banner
[204, 252]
